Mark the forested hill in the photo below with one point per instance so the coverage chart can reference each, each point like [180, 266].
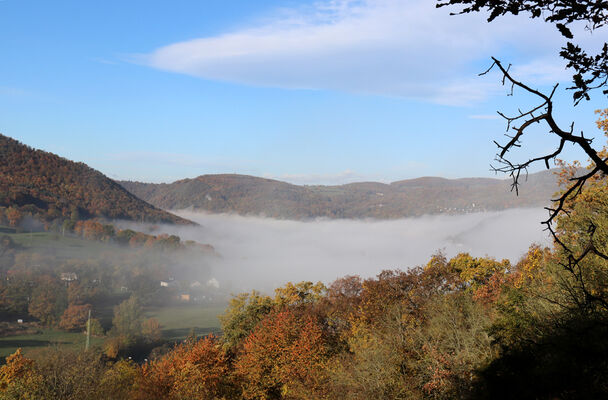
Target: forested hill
[248, 195]
[51, 187]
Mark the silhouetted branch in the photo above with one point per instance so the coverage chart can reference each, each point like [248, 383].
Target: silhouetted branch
[519, 124]
[529, 118]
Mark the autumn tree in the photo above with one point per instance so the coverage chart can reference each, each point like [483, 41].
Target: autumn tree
[299, 293]
[13, 215]
[243, 313]
[75, 317]
[48, 301]
[193, 370]
[453, 345]
[118, 382]
[66, 375]
[128, 317]
[284, 357]
[150, 330]
[590, 73]
[16, 368]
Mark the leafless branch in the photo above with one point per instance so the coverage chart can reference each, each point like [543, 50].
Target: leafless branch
[527, 119]
[519, 125]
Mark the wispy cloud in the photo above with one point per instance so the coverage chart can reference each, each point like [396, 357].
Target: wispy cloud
[403, 48]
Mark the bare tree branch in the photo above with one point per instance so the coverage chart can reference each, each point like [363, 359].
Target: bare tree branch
[543, 113]
[529, 118]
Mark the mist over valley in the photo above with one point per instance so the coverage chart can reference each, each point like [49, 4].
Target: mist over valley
[264, 253]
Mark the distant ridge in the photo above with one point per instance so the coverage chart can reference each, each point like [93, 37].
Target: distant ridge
[249, 195]
[51, 187]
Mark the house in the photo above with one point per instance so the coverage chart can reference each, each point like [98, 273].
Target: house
[184, 297]
[68, 276]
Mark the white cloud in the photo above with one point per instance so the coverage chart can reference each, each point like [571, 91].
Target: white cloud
[542, 71]
[404, 48]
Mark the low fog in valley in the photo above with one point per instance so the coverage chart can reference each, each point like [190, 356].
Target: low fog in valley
[265, 253]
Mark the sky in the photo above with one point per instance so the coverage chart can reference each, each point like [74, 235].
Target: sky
[311, 92]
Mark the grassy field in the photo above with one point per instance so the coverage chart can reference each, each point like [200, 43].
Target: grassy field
[30, 343]
[54, 243]
[177, 321]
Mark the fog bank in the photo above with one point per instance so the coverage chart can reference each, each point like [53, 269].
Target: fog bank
[265, 253]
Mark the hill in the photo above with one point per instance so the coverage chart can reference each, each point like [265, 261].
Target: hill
[52, 188]
[248, 195]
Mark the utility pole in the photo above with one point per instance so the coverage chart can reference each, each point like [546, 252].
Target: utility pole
[86, 347]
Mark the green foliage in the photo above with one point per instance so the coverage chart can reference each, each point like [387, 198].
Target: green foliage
[128, 318]
[15, 294]
[244, 312]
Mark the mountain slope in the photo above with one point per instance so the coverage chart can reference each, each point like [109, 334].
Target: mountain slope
[51, 187]
[248, 195]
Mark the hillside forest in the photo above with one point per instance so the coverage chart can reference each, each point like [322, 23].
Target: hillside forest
[453, 328]
[248, 195]
[53, 190]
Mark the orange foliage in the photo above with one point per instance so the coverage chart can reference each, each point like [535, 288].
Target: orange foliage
[75, 317]
[196, 370]
[16, 367]
[283, 357]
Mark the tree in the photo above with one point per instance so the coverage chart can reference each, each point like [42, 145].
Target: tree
[49, 300]
[590, 72]
[15, 294]
[13, 215]
[66, 375]
[298, 294]
[17, 367]
[193, 370]
[75, 317]
[242, 315]
[150, 329]
[284, 357]
[128, 317]
[118, 381]
[454, 344]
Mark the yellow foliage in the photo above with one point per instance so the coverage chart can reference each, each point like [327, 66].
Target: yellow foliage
[16, 367]
[299, 293]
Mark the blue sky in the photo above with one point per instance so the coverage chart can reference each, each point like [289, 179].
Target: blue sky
[304, 91]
